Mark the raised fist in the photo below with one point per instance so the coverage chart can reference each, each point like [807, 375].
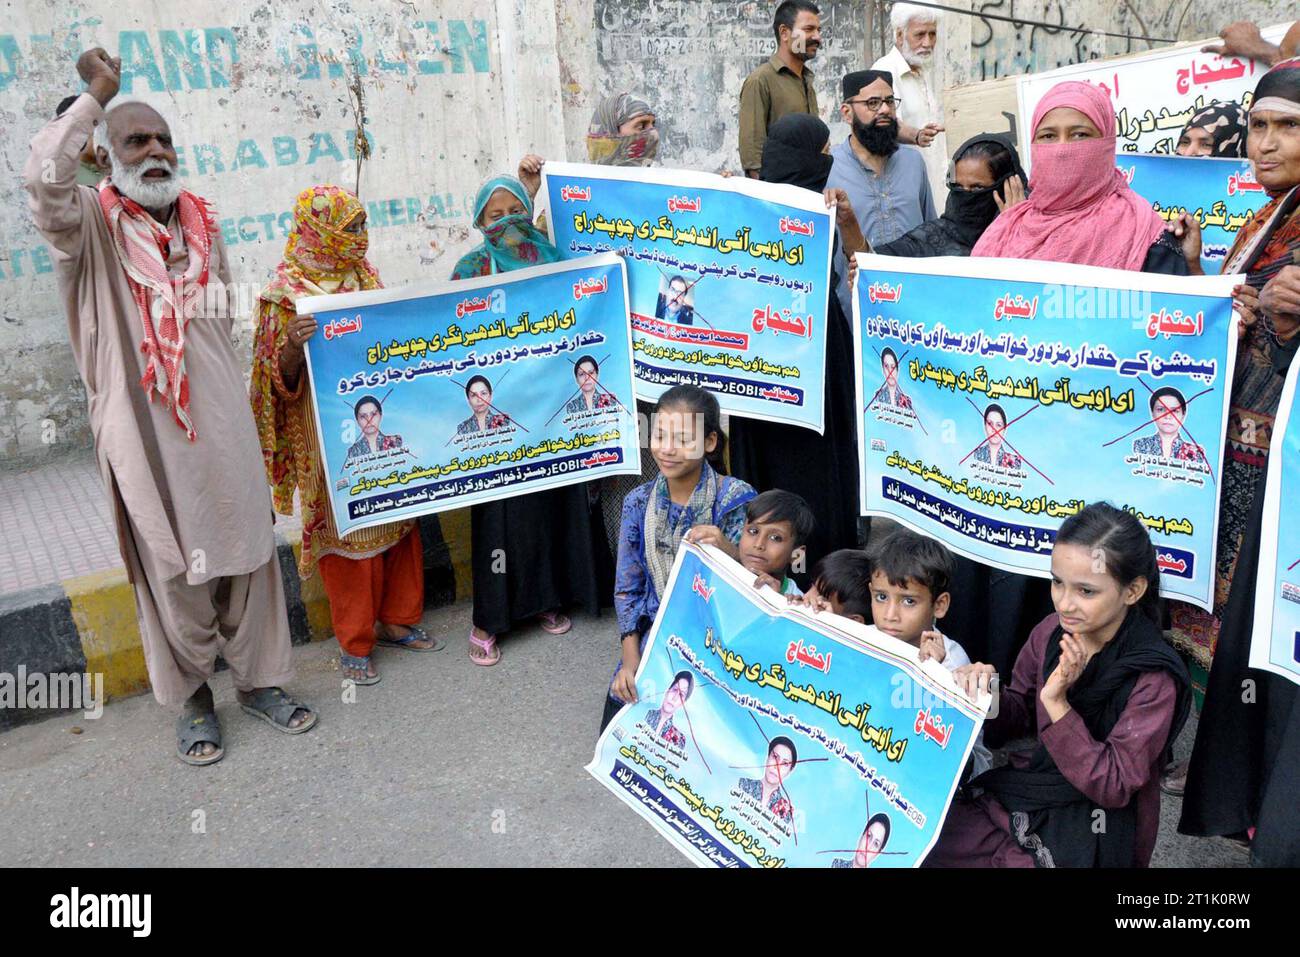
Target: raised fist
[102, 73]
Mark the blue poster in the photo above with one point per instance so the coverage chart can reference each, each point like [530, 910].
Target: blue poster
[1220, 193]
[728, 279]
[767, 736]
[1000, 396]
[439, 395]
[1275, 645]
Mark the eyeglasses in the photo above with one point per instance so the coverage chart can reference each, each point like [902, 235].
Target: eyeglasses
[876, 102]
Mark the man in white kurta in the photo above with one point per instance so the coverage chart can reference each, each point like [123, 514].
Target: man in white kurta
[920, 111]
[193, 512]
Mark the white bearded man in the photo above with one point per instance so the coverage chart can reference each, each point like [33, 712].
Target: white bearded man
[920, 109]
[145, 283]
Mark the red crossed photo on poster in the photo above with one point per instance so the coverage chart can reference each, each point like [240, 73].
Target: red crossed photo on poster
[603, 397]
[891, 365]
[875, 835]
[995, 435]
[1169, 414]
[499, 417]
[677, 696]
[781, 766]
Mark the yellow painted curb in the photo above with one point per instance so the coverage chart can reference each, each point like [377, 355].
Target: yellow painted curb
[456, 533]
[314, 600]
[103, 609]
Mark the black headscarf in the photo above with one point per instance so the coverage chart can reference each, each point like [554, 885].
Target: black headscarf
[1227, 125]
[1050, 817]
[966, 214]
[793, 153]
[1282, 81]
[971, 211]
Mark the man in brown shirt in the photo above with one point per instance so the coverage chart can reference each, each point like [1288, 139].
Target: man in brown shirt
[783, 84]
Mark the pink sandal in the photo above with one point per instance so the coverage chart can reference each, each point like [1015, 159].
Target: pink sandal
[491, 652]
[555, 623]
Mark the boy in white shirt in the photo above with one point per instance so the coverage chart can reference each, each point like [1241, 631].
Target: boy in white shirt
[909, 594]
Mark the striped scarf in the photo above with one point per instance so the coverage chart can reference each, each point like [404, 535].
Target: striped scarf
[140, 242]
[663, 536]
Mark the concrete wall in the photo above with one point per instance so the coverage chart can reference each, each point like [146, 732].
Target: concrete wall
[454, 91]
[977, 48]
[257, 97]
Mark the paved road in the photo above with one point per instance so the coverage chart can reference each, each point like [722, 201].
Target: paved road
[442, 763]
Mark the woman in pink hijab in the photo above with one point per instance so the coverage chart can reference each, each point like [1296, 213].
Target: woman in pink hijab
[1080, 209]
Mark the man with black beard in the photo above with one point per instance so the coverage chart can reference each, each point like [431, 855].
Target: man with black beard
[145, 283]
[886, 182]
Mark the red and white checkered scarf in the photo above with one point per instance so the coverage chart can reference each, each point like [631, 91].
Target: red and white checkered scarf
[140, 242]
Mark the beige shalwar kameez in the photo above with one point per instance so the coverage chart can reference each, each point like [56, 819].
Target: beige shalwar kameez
[194, 519]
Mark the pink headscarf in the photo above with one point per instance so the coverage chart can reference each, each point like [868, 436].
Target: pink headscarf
[1080, 208]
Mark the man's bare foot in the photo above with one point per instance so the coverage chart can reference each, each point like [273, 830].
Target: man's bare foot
[201, 703]
[296, 720]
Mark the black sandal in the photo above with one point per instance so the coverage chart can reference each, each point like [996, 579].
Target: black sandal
[198, 727]
[277, 709]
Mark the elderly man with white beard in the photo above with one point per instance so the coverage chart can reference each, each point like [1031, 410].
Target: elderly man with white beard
[145, 283]
[920, 109]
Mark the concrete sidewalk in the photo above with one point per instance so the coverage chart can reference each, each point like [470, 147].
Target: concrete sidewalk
[442, 763]
[67, 608]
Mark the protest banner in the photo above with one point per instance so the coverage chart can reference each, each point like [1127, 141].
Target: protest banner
[769, 736]
[727, 277]
[417, 410]
[1221, 194]
[1156, 93]
[1121, 379]
[1275, 644]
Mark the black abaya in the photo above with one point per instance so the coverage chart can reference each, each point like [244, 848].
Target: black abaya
[1245, 767]
[822, 469]
[535, 553]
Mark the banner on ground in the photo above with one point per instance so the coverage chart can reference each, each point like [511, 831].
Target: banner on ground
[438, 395]
[766, 736]
[999, 396]
[1221, 194]
[1275, 645]
[1154, 94]
[728, 279]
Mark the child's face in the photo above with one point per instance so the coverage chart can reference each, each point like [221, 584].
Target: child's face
[768, 546]
[904, 611]
[813, 595]
[678, 443]
[1086, 597]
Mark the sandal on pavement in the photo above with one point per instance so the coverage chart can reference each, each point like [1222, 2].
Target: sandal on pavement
[492, 654]
[198, 727]
[554, 622]
[1174, 781]
[358, 663]
[407, 641]
[277, 709]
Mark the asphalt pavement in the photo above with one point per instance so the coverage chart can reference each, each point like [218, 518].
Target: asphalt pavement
[441, 763]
